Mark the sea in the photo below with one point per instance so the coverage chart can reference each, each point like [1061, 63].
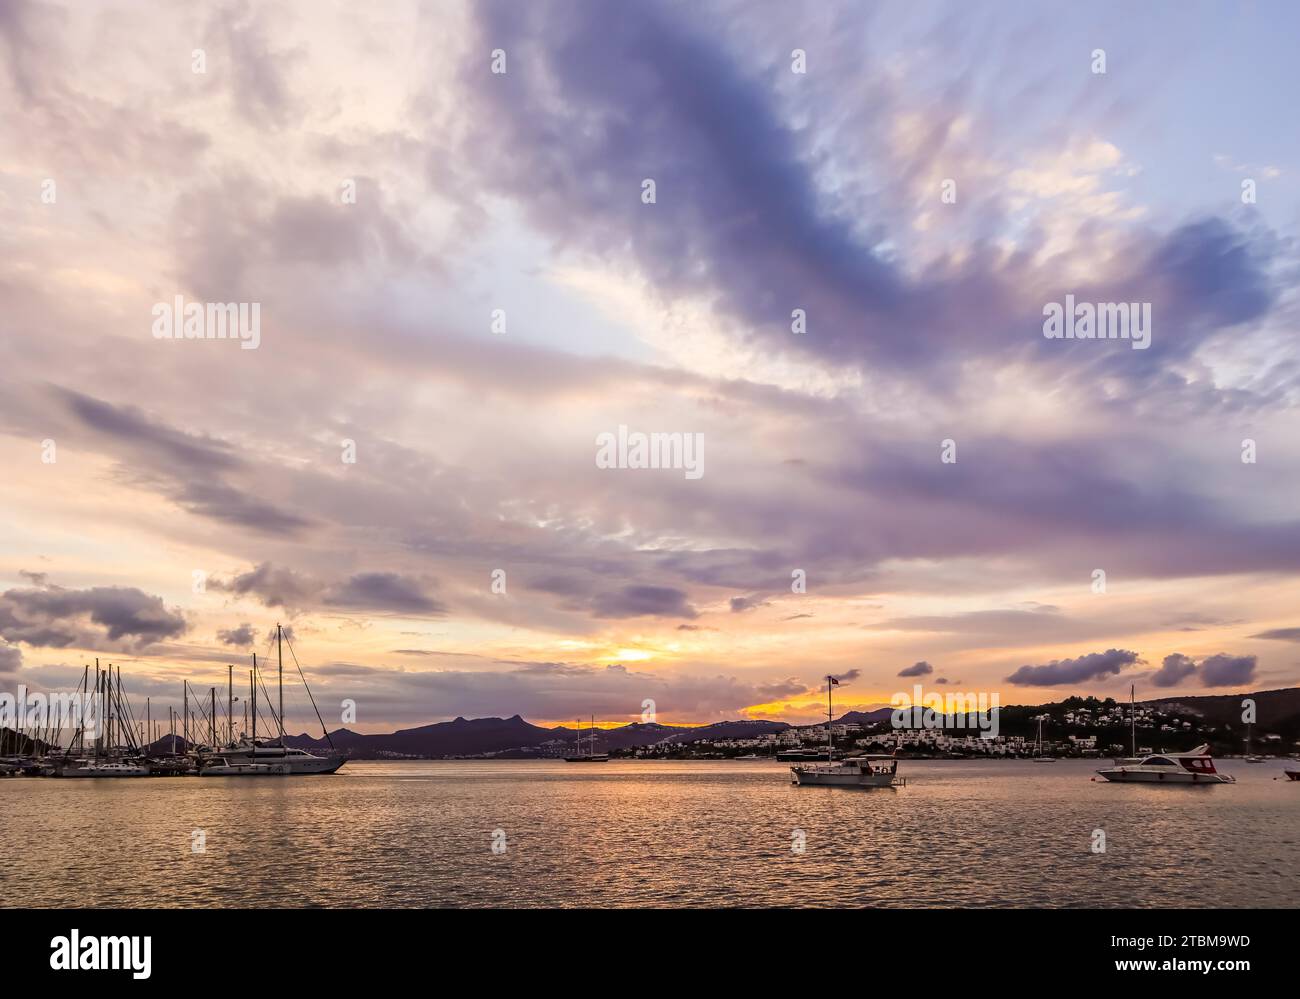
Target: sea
[652, 834]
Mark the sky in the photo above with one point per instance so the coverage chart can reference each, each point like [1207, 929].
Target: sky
[440, 214]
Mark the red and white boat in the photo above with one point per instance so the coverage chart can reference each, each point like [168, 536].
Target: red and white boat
[1194, 767]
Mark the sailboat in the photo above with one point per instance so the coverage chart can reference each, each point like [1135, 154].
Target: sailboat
[1038, 746]
[116, 753]
[1250, 758]
[590, 756]
[876, 770]
[250, 756]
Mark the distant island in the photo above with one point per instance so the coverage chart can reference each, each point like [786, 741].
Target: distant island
[1074, 727]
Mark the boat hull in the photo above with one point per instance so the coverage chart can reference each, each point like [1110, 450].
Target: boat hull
[87, 773]
[839, 777]
[1124, 775]
[297, 765]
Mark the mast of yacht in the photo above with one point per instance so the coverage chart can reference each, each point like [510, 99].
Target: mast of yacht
[252, 685]
[830, 715]
[230, 705]
[279, 657]
[1132, 717]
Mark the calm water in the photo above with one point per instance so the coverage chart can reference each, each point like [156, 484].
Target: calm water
[651, 833]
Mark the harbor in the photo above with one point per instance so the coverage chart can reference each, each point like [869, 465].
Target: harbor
[97, 732]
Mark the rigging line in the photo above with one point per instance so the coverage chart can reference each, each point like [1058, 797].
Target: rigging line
[309, 693]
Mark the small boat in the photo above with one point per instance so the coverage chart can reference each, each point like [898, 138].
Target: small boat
[590, 756]
[219, 766]
[94, 768]
[1292, 774]
[856, 771]
[1194, 767]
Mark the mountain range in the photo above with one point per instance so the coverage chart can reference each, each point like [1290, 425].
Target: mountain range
[1278, 709]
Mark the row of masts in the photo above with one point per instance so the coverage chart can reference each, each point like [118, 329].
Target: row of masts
[120, 734]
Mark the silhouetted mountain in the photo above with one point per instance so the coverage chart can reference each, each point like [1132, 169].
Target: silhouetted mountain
[164, 746]
[1279, 710]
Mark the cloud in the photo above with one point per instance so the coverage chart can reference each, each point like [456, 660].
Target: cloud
[741, 604]
[921, 668]
[59, 618]
[848, 677]
[1176, 668]
[1280, 634]
[274, 586]
[384, 591]
[1223, 670]
[1093, 666]
[643, 601]
[11, 657]
[242, 636]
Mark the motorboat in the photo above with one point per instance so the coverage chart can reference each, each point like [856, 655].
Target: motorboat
[219, 766]
[856, 771]
[287, 760]
[1193, 767]
[104, 768]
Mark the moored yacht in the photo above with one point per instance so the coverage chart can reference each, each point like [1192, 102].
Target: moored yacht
[219, 766]
[102, 768]
[285, 759]
[857, 771]
[590, 756]
[251, 755]
[1194, 767]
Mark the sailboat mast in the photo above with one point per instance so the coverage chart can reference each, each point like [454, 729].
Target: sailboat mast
[230, 705]
[252, 685]
[830, 745]
[1133, 721]
[279, 655]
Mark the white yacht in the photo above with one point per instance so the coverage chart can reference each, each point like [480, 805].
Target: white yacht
[219, 766]
[285, 759]
[250, 755]
[94, 768]
[1194, 767]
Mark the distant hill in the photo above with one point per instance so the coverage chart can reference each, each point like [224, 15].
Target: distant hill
[1279, 711]
[479, 736]
[459, 737]
[1273, 707]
